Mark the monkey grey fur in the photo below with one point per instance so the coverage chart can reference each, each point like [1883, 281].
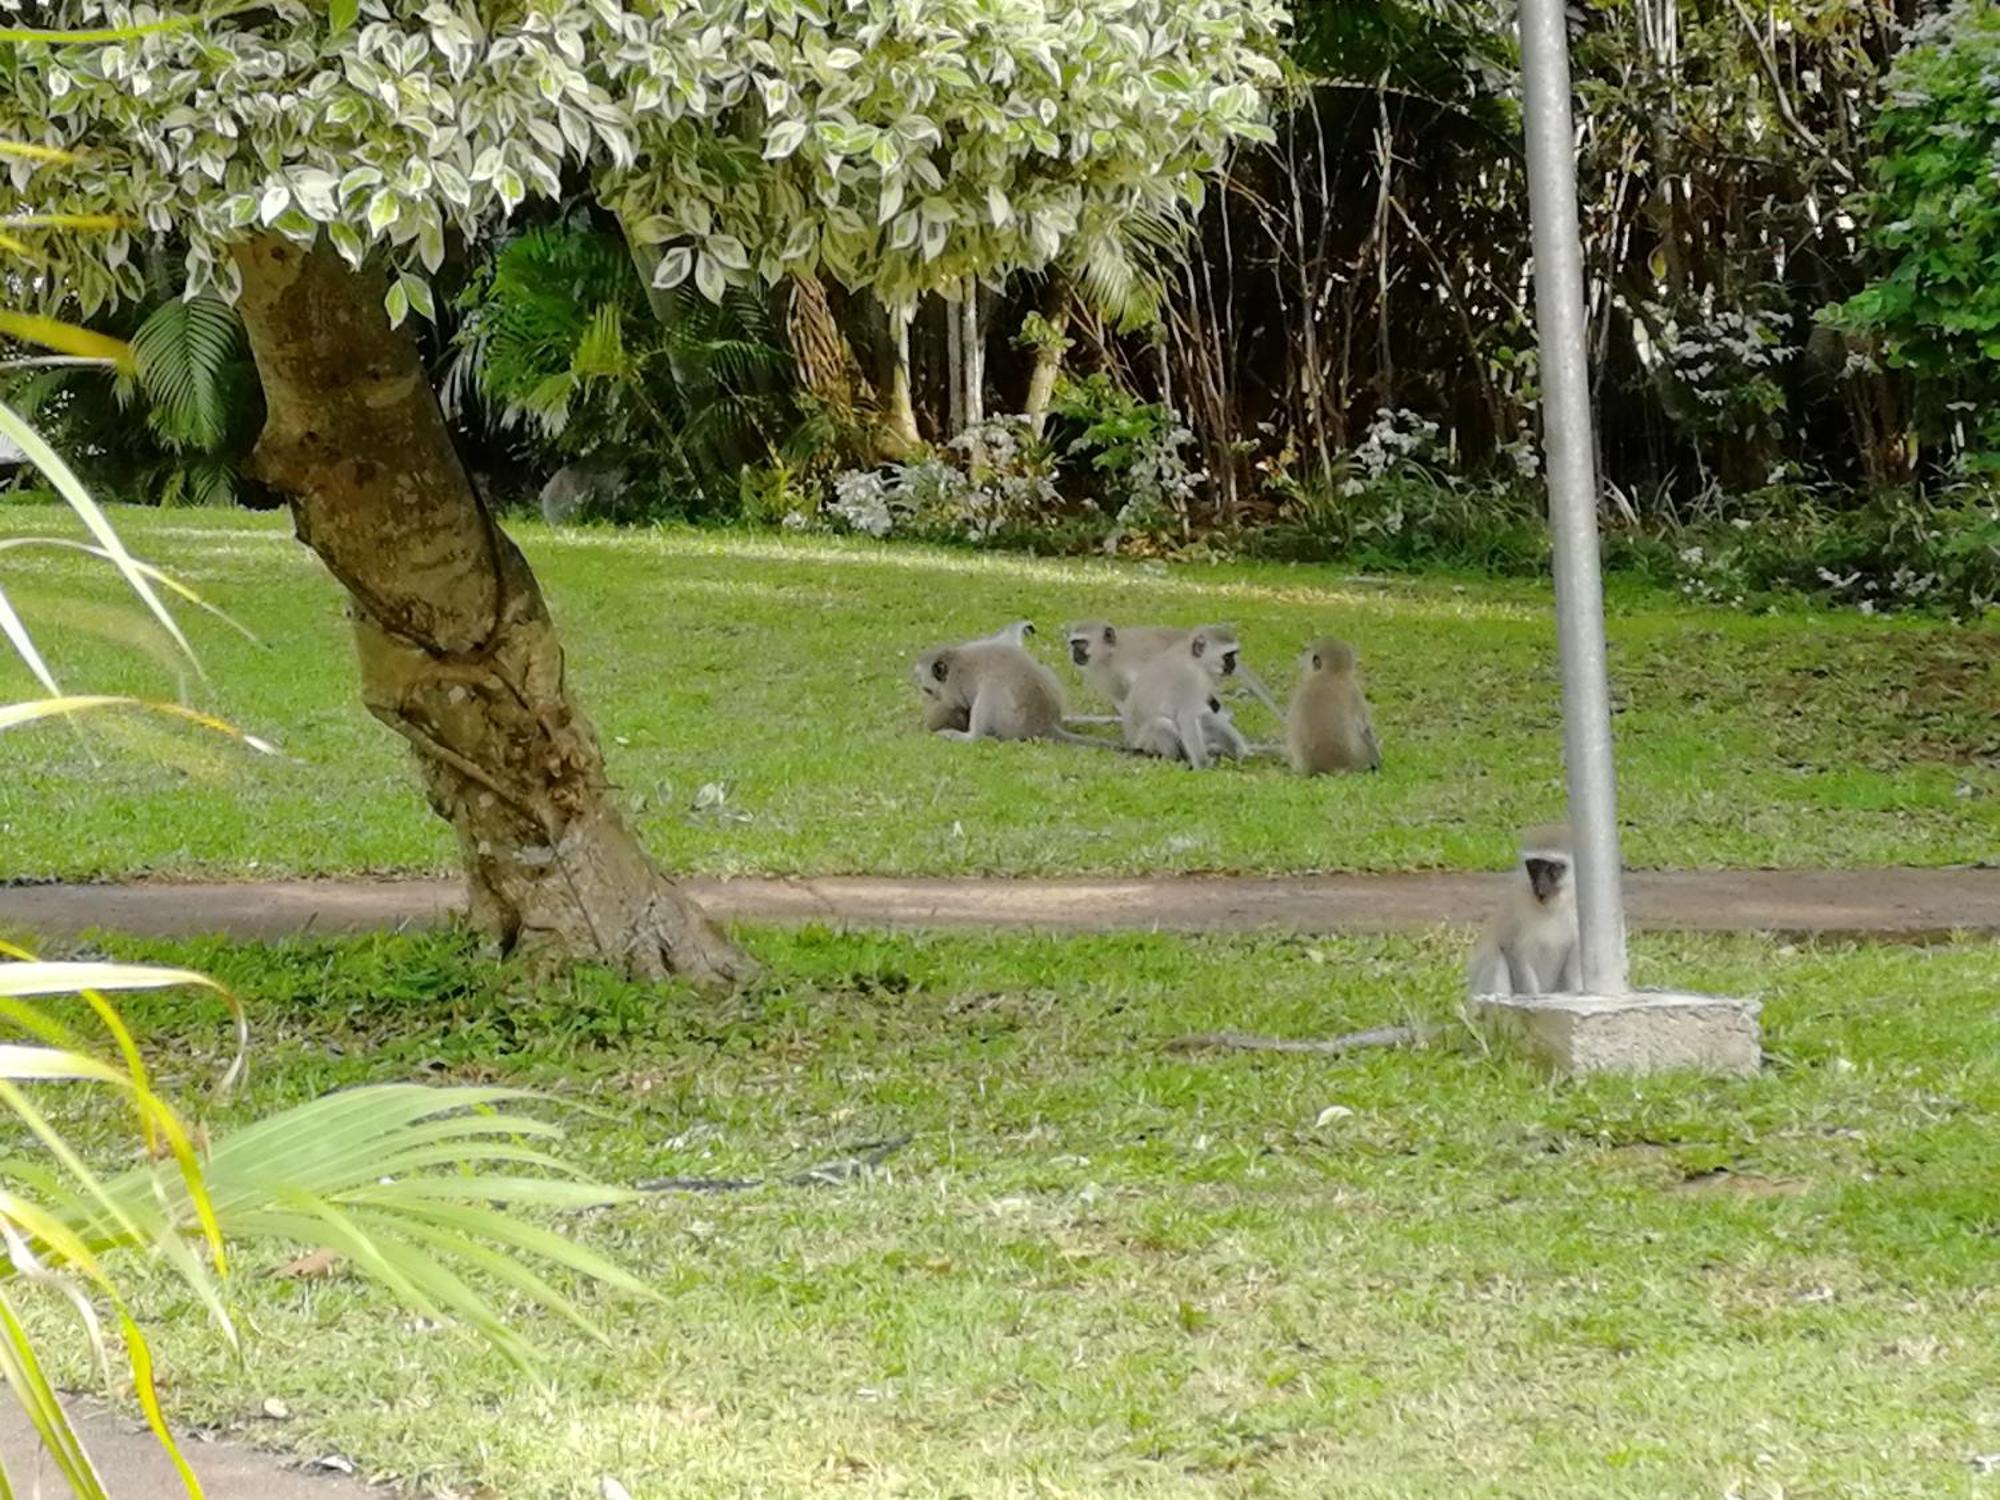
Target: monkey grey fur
[1530, 947]
[1328, 726]
[1002, 692]
[1171, 711]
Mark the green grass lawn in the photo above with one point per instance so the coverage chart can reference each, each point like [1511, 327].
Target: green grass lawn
[1100, 1269]
[779, 668]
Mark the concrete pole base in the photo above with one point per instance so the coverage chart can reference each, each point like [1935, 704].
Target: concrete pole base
[1649, 1031]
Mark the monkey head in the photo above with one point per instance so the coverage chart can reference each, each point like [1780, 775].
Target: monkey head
[933, 671]
[1217, 647]
[1328, 654]
[1087, 638]
[1545, 860]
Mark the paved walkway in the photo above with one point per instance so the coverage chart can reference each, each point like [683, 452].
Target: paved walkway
[1904, 904]
[134, 1467]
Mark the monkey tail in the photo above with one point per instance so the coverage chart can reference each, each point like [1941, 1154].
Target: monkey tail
[1066, 737]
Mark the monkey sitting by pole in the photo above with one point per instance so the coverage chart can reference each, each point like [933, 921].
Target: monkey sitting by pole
[1530, 947]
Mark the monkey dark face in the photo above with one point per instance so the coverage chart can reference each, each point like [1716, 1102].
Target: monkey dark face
[1545, 876]
[1228, 663]
[1079, 650]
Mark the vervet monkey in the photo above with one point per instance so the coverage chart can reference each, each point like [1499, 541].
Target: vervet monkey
[1112, 656]
[1530, 947]
[940, 715]
[1167, 710]
[1328, 726]
[1002, 692]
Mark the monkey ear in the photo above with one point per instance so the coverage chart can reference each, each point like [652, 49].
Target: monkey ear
[1110, 635]
[1027, 627]
[1316, 663]
[941, 668]
[1199, 644]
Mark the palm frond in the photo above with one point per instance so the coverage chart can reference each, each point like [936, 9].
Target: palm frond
[184, 351]
[403, 1179]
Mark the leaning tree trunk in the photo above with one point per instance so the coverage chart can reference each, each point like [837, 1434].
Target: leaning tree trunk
[457, 651]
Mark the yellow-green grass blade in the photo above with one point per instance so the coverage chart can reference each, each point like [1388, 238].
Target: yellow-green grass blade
[140, 1356]
[16, 630]
[23, 1371]
[67, 338]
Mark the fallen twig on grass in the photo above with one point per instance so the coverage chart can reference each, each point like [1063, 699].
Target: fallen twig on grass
[1338, 1046]
[825, 1174]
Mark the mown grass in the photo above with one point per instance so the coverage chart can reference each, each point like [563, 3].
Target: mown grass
[1103, 1269]
[778, 669]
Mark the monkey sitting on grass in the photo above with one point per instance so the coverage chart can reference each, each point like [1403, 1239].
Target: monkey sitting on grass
[992, 689]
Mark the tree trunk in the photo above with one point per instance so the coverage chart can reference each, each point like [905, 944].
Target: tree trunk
[902, 413]
[827, 365]
[972, 352]
[1049, 352]
[457, 651]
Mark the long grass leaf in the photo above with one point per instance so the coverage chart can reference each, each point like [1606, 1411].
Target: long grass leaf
[16, 631]
[140, 1355]
[29, 151]
[23, 1370]
[23, 35]
[67, 338]
[65, 221]
[59, 474]
[108, 1017]
[30, 1268]
[67, 976]
[164, 579]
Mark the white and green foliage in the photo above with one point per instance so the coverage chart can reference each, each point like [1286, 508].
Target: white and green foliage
[901, 147]
[895, 146]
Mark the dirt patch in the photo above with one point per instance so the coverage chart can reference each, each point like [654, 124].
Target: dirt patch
[1889, 904]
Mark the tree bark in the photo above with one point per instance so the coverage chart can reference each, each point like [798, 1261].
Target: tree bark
[457, 651]
[902, 413]
[1048, 353]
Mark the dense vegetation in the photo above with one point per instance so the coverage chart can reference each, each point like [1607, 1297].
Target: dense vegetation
[1787, 216]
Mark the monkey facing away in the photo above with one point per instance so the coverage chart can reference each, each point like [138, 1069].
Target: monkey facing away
[1328, 726]
[939, 714]
[1171, 710]
[1002, 693]
[1530, 947]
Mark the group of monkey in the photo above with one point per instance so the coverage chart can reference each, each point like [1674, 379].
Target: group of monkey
[1165, 682]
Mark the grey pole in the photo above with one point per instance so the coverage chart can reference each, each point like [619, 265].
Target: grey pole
[1567, 445]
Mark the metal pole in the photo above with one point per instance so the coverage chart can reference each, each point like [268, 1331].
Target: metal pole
[1567, 446]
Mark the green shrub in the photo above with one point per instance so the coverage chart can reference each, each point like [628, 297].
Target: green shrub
[1934, 217]
[562, 346]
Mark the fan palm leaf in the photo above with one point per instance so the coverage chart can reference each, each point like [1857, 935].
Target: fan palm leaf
[184, 351]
